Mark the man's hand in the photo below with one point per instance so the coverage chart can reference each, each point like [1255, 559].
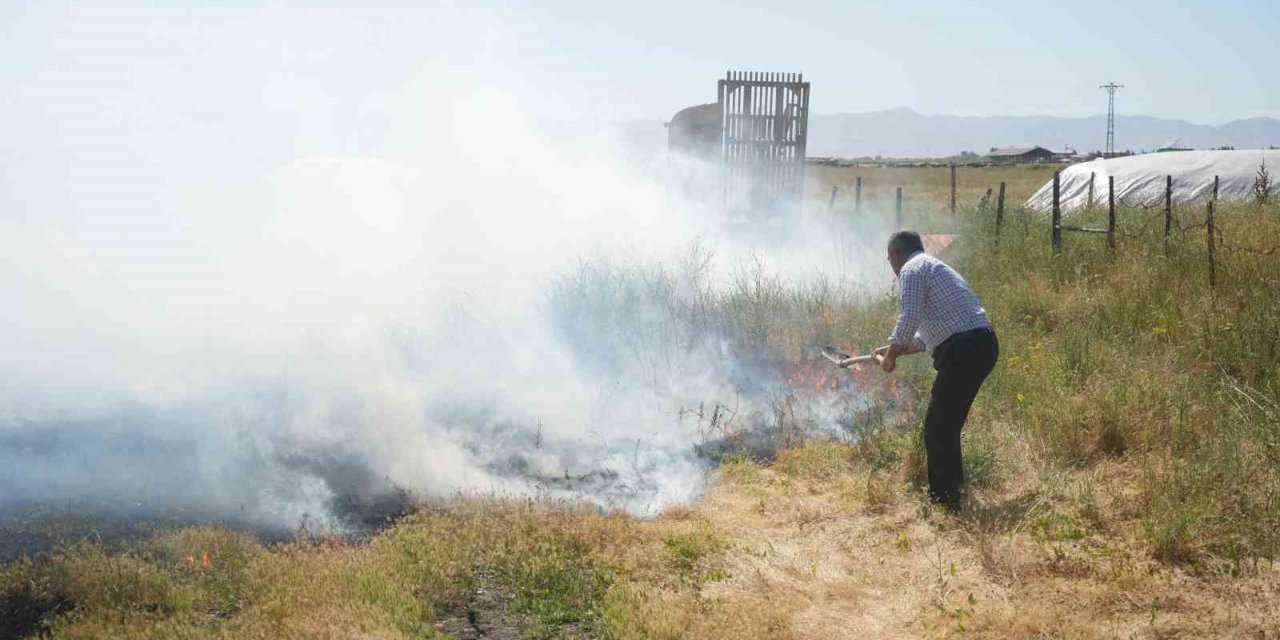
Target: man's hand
[890, 353]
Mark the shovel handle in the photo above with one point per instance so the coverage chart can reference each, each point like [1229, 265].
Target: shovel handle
[848, 362]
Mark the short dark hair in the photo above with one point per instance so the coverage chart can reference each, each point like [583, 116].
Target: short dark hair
[905, 243]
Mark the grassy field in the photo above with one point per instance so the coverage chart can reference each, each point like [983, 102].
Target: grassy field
[926, 190]
[1124, 462]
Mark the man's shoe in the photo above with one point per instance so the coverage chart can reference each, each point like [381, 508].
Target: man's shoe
[949, 501]
[951, 508]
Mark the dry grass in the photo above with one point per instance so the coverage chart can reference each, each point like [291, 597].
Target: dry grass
[1123, 462]
[926, 191]
[818, 545]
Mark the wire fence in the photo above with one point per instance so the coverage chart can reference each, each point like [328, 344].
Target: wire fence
[1216, 240]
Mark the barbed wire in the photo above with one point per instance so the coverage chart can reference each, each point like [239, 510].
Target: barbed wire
[1220, 237]
[1242, 249]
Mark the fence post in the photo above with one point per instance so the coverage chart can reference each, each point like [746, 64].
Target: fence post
[857, 196]
[1213, 256]
[1168, 211]
[831, 205]
[1215, 188]
[898, 216]
[1057, 215]
[999, 212]
[1111, 213]
[953, 189]
[1091, 176]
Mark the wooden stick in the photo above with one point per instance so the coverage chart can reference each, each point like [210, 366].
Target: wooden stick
[999, 211]
[850, 361]
[898, 218]
[953, 189]
[1111, 213]
[1057, 216]
[1213, 255]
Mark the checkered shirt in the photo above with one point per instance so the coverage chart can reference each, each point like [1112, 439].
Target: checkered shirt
[936, 303]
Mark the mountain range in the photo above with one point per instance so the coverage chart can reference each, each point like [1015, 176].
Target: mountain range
[904, 133]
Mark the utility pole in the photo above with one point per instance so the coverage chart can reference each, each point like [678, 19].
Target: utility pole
[1111, 117]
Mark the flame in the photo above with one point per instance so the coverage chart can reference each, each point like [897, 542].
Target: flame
[813, 376]
[204, 560]
[816, 376]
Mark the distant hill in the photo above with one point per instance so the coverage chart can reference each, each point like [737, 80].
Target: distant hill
[902, 132]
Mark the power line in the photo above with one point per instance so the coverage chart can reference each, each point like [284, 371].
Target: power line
[1111, 117]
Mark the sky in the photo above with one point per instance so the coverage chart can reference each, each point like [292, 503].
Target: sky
[1199, 61]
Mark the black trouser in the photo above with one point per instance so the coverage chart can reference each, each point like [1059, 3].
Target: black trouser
[962, 362]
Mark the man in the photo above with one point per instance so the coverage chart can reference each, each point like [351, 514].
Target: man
[939, 313]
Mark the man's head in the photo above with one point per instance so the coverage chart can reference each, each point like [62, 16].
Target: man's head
[902, 245]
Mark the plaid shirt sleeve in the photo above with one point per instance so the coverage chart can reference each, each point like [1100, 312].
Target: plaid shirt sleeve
[911, 281]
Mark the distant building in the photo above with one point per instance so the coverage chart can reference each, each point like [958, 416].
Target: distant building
[1021, 154]
[1067, 155]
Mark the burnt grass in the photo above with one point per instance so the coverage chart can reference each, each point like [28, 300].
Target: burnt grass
[22, 612]
[484, 613]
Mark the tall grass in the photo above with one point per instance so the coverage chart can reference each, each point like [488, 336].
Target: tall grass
[1133, 356]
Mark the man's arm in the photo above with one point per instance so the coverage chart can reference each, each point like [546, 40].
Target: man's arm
[905, 339]
[915, 346]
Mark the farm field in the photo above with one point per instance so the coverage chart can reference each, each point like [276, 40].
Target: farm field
[1124, 464]
[926, 190]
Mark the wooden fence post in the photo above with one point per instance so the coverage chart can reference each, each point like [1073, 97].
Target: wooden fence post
[1213, 255]
[1057, 215]
[1168, 211]
[999, 211]
[1215, 188]
[857, 196]
[1091, 176]
[953, 189]
[1111, 213]
[898, 215]
[832, 203]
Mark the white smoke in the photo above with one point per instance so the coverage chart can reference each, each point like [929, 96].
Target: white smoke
[217, 319]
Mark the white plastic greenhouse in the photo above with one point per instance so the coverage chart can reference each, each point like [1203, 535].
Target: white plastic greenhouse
[1140, 180]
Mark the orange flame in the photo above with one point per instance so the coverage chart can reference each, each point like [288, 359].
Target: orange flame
[204, 560]
[812, 376]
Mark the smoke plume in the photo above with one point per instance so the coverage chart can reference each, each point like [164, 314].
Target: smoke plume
[247, 276]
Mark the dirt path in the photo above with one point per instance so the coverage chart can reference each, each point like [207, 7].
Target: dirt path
[812, 560]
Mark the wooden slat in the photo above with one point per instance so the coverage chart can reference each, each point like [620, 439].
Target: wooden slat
[764, 134]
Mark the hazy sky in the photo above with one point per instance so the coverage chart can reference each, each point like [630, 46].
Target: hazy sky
[1208, 62]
